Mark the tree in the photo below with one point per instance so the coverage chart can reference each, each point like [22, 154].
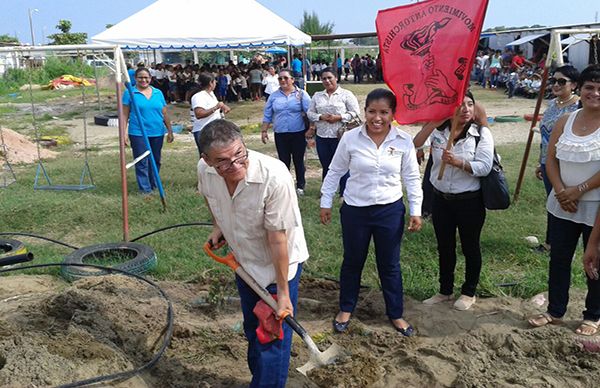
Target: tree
[311, 25]
[109, 25]
[66, 36]
[7, 39]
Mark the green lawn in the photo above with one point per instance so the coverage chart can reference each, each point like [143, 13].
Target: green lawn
[85, 218]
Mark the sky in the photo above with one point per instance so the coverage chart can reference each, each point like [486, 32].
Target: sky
[348, 16]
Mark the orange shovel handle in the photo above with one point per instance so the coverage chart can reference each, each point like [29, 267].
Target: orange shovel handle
[229, 260]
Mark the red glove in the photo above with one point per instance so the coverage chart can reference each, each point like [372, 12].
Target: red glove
[269, 327]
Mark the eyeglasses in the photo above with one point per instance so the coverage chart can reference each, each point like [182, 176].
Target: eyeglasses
[284, 78]
[227, 164]
[559, 81]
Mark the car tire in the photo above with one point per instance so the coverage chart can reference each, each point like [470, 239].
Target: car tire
[141, 259]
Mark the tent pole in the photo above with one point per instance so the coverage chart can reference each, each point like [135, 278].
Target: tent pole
[119, 87]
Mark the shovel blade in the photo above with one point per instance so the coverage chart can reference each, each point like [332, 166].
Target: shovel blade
[319, 359]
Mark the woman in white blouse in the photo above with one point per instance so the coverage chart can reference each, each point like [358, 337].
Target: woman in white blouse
[329, 110]
[457, 201]
[381, 160]
[270, 82]
[573, 167]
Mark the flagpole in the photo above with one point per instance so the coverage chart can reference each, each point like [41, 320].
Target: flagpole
[450, 140]
[534, 120]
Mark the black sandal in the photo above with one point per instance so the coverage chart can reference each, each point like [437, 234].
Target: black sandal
[340, 327]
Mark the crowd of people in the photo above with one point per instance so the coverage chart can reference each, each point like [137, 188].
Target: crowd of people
[373, 167]
[509, 69]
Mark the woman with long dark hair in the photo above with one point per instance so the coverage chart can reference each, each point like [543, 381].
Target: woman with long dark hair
[457, 201]
[573, 167]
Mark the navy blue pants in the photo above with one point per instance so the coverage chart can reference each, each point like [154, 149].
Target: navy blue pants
[385, 223]
[292, 146]
[326, 149]
[143, 169]
[468, 216]
[563, 239]
[268, 363]
[548, 188]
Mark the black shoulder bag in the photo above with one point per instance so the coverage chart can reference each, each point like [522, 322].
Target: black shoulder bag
[494, 187]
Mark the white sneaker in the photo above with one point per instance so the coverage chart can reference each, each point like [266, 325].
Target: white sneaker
[464, 302]
[438, 298]
[300, 192]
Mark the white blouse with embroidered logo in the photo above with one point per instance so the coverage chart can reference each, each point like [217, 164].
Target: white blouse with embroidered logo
[376, 174]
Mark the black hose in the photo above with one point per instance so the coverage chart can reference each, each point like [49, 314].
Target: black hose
[127, 374]
[39, 237]
[171, 227]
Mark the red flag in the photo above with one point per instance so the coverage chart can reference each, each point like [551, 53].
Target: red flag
[427, 50]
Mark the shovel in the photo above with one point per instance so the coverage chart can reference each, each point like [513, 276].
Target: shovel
[317, 358]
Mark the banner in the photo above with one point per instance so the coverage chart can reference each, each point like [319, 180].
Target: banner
[427, 50]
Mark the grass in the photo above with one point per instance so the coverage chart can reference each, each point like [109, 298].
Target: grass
[90, 217]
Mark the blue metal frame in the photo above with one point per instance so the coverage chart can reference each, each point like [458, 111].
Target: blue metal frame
[41, 170]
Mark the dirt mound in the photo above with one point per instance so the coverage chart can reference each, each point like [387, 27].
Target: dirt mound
[19, 149]
[53, 333]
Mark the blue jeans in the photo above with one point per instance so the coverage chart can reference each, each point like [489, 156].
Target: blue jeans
[563, 239]
[326, 149]
[292, 146]
[268, 363]
[143, 169]
[385, 223]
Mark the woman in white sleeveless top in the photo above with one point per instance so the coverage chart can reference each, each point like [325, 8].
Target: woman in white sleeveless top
[573, 167]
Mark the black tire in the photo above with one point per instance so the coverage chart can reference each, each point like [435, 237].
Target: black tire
[106, 119]
[141, 257]
[10, 247]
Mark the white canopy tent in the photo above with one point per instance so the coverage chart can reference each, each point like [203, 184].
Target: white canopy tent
[196, 24]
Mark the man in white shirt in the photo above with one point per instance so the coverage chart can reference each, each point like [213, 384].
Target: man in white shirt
[255, 208]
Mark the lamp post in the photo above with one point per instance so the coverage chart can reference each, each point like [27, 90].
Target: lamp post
[31, 25]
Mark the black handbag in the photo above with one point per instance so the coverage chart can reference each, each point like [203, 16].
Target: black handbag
[494, 187]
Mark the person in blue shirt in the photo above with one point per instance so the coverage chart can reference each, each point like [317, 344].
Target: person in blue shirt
[131, 72]
[153, 109]
[297, 71]
[286, 110]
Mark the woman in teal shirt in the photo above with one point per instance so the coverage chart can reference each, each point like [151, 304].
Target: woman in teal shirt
[153, 109]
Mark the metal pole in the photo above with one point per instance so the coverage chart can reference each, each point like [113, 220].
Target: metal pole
[31, 25]
[122, 161]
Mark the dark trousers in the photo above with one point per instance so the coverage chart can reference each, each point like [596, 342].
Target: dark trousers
[468, 215]
[563, 239]
[326, 149]
[291, 146]
[385, 223]
[144, 174]
[548, 188]
[196, 140]
[427, 188]
[268, 363]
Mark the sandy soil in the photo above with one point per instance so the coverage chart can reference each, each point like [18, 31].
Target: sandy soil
[53, 333]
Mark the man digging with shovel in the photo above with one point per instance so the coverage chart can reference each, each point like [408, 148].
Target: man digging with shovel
[255, 210]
